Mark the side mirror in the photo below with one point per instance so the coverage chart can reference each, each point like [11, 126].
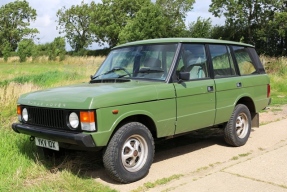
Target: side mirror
[185, 76]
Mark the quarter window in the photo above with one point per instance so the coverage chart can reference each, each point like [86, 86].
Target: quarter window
[222, 61]
[245, 64]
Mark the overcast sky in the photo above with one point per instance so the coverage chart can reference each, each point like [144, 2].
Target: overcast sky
[46, 15]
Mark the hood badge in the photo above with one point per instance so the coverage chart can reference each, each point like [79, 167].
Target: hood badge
[41, 104]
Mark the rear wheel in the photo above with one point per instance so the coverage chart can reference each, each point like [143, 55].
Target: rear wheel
[237, 130]
[129, 153]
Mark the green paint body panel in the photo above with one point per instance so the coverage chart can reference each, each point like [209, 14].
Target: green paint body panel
[195, 105]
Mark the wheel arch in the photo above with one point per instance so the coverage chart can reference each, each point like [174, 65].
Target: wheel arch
[249, 103]
[140, 118]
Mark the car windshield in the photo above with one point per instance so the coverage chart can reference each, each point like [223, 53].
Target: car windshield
[150, 61]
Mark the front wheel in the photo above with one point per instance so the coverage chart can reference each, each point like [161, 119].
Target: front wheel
[237, 130]
[129, 153]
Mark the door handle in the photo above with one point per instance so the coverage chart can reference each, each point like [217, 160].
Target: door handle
[210, 88]
[239, 84]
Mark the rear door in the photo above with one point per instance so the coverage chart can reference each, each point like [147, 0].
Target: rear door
[228, 84]
[195, 97]
[253, 77]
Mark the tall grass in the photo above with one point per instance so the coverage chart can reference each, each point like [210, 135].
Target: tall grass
[277, 70]
[8, 98]
[22, 167]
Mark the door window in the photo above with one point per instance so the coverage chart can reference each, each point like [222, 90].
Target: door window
[193, 60]
[222, 61]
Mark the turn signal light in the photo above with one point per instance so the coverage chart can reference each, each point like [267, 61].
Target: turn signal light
[18, 110]
[87, 119]
[87, 116]
[19, 113]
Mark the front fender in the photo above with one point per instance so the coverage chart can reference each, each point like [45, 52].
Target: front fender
[162, 113]
[107, 121]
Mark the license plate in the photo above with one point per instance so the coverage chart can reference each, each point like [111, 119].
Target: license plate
[54, 145]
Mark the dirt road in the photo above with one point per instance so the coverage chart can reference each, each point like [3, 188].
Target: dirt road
[203, 162]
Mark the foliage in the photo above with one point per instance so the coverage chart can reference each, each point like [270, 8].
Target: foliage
[54, 50]
[26, 48]
[74, 23]
[149, 22]
[175, 13]
[112, 22]
[252, 21]
[111, 16]
[279, 27]
[157, 20]
[202, 28]
[57, 48]
[15, 17]
[6, 50]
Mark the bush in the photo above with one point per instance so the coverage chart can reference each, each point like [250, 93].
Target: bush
[25, 49]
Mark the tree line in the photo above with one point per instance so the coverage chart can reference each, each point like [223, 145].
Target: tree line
[262, 23]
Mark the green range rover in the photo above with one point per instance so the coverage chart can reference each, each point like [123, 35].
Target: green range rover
[150, 90]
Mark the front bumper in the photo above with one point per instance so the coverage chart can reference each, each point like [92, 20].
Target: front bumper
[79, 139]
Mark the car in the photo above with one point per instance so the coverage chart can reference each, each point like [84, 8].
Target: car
[146, 91]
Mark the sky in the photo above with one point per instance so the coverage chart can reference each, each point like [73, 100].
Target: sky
[46, 16]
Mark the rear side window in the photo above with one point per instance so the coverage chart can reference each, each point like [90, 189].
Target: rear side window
[222, 62]
[245, 64]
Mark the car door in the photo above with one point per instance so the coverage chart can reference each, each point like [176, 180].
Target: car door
[228, 83]
[195, 98]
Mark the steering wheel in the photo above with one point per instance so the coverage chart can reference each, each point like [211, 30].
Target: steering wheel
[122, 69]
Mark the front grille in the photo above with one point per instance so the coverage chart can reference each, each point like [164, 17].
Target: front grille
[46, 117]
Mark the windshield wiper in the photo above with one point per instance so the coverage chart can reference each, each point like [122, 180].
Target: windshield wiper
[113, 70]
[148, 70]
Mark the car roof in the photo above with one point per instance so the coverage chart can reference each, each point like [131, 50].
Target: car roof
[183, 40]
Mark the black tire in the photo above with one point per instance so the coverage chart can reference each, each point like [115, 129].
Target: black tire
[129, 153]
[238, 128]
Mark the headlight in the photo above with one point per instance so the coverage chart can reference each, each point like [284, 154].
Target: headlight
[74, 120]
[25, 115]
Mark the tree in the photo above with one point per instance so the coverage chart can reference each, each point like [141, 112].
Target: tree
[26, 48]
[111, 16]
[279, 26]
[245, 16]
[156, 20]
[201, 28]
[175, 12]
[6, 49]
[15, 17]
[57, 49]
[149, 22]
[74, 23]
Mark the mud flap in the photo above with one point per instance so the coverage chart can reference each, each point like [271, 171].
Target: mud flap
[255, 120]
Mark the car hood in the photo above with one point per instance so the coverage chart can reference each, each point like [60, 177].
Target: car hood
[92, 96]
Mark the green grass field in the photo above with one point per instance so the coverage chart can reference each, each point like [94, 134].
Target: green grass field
[22, 166]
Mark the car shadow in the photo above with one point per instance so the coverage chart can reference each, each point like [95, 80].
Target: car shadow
[90, 165]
